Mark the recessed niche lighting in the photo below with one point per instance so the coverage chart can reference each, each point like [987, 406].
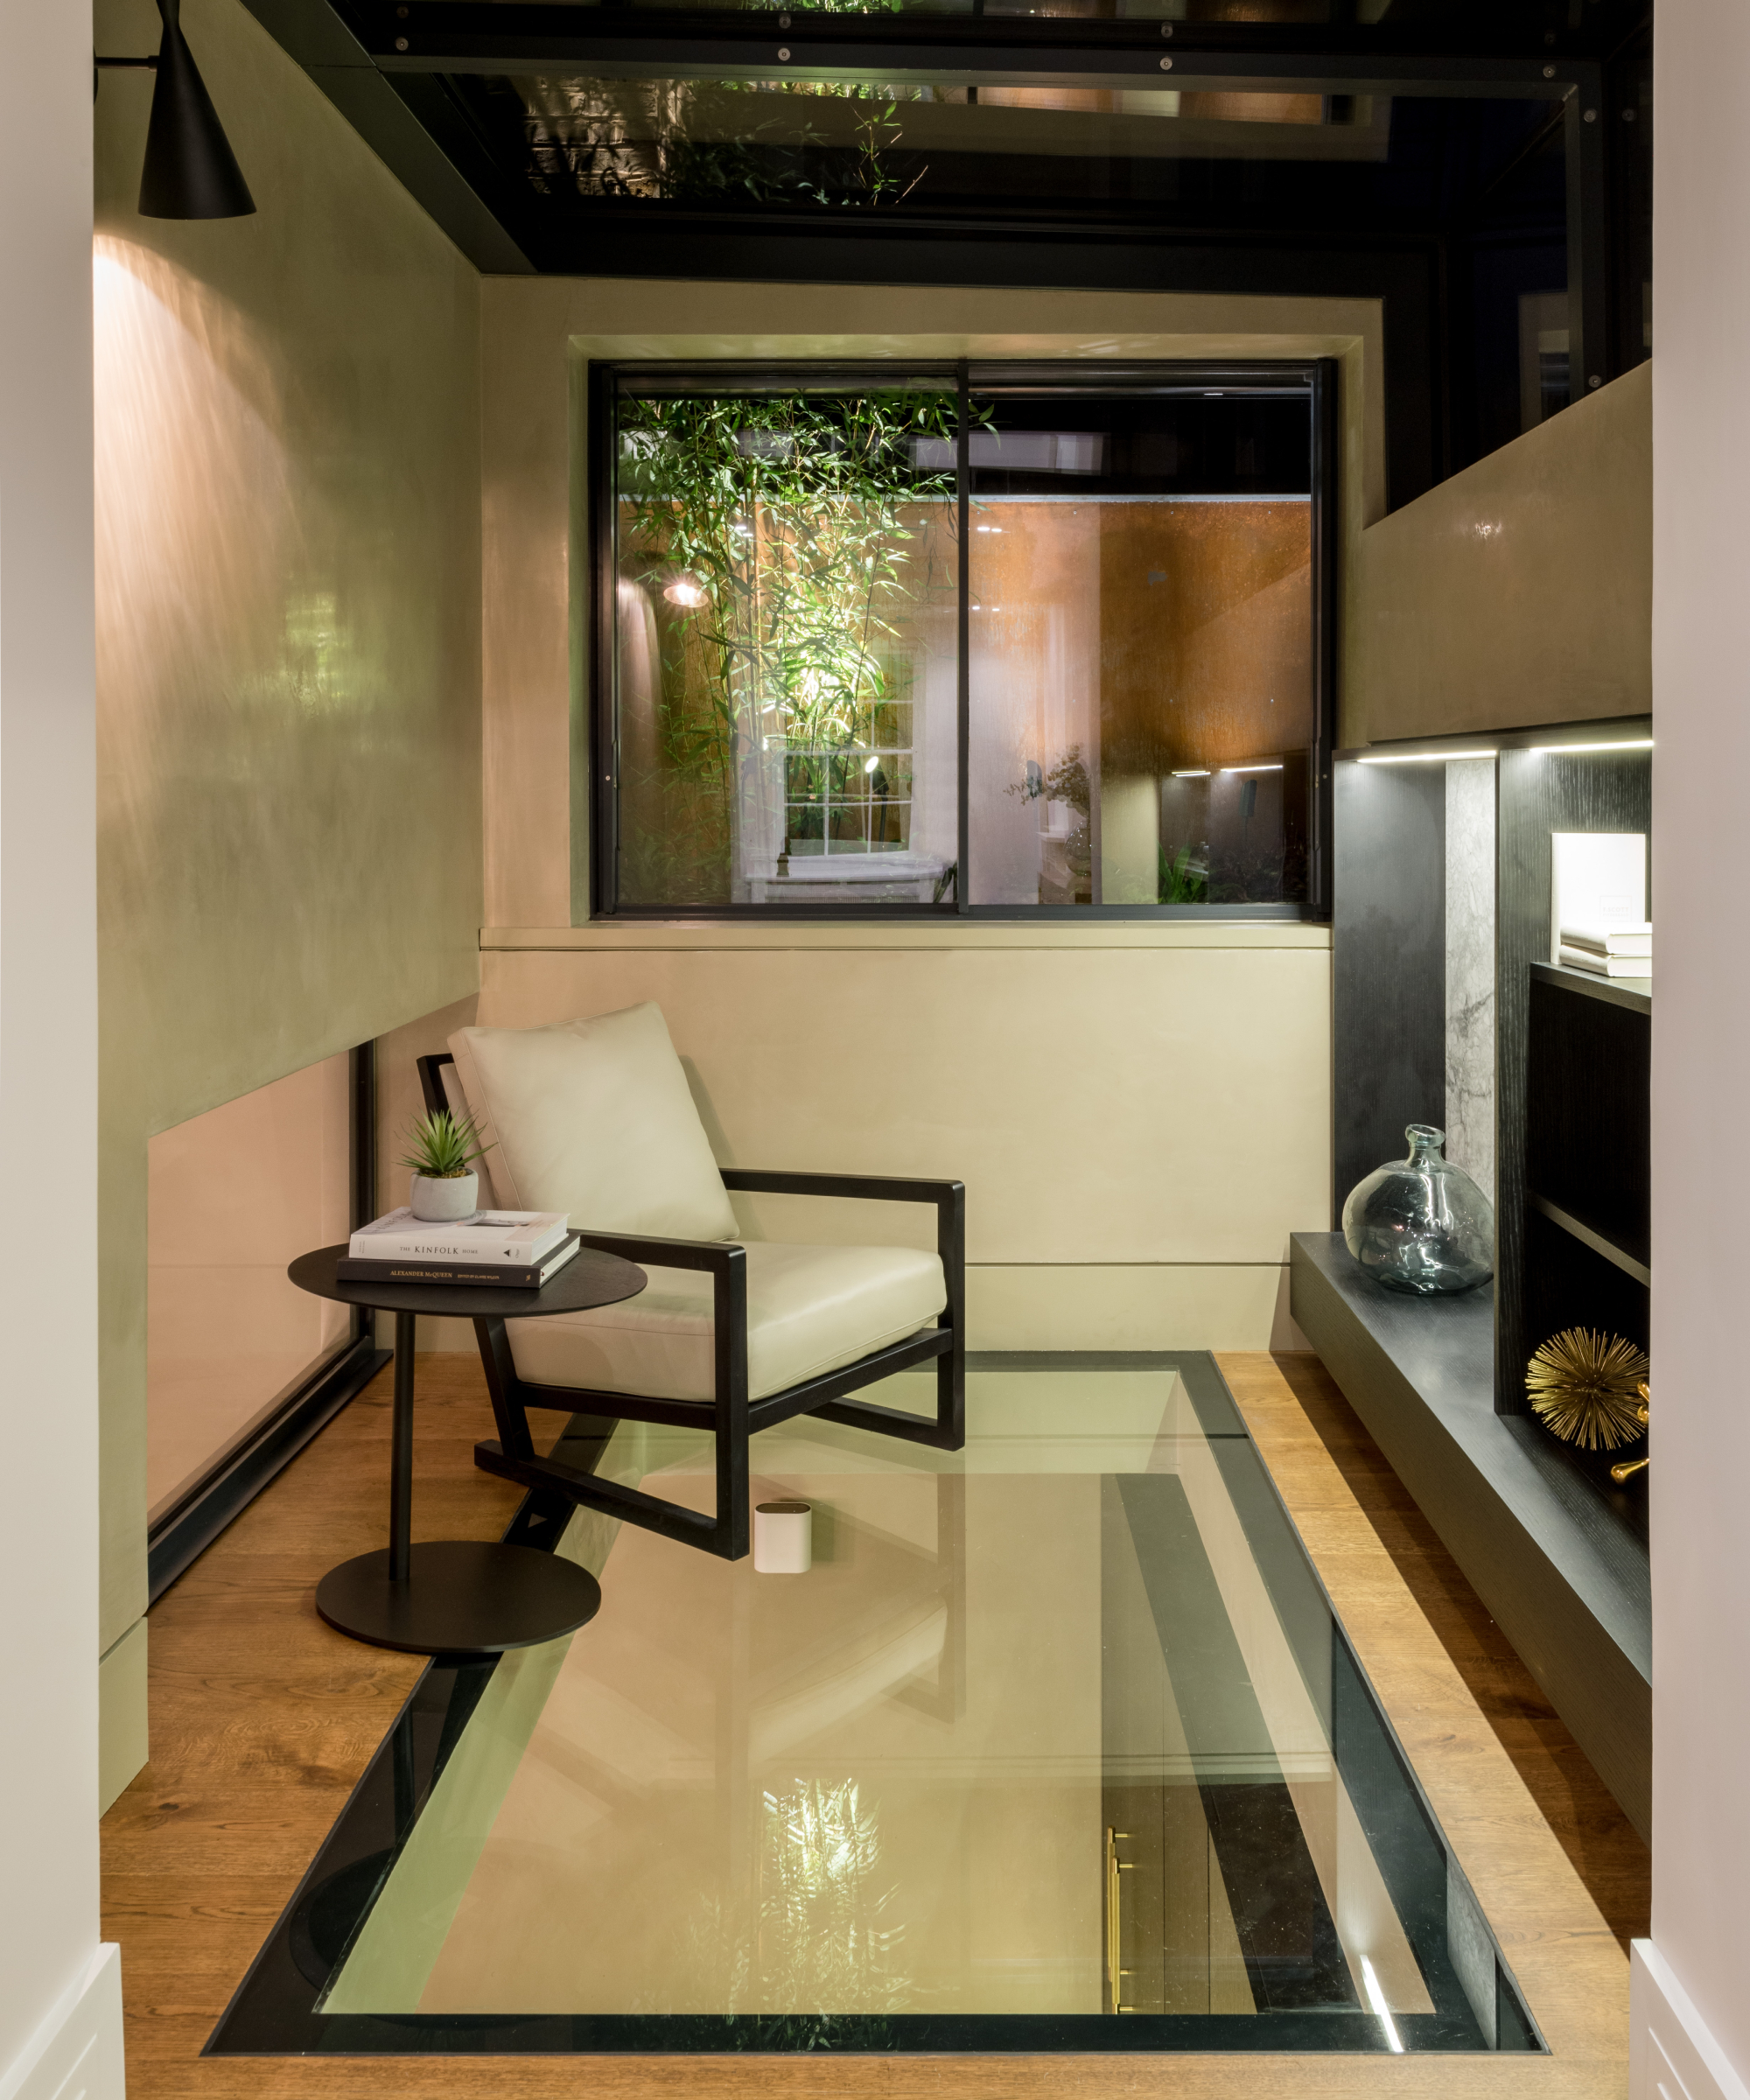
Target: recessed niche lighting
[1274, 766]
[1616, 744]
[1424, 758]
[989, 528]
[1190, 772]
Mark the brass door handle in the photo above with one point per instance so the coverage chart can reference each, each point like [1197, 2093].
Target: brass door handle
[1115, 1866]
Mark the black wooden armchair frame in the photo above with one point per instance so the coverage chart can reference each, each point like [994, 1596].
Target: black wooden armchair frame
[730, 1416]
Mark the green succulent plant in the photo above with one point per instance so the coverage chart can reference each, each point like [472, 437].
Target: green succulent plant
[443, 1146]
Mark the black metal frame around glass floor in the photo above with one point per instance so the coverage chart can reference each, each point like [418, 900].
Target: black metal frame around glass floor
[1314, 379]
[277, 2008]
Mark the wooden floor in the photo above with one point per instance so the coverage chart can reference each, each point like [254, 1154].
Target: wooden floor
[262, 1719]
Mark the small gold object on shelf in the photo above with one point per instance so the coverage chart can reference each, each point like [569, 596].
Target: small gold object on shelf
[1630, 1467]
[1588, 1389]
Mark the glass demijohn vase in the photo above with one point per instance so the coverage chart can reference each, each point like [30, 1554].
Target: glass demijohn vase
[1421, 1224]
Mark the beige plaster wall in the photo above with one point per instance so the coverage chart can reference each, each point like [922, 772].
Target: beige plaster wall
[1520, 592]
[1140, 1113]
[288, 641]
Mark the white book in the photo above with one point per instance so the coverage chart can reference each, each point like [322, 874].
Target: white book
[1598, 880]
[1610, 941]
[518, 1237]
[1607, 966]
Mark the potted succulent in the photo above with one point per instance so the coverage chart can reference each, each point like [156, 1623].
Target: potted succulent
[441, 1149]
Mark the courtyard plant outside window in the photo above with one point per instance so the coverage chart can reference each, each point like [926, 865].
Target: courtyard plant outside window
[991, 638]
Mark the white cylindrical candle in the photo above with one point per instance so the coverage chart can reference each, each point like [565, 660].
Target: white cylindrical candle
[783, 1538]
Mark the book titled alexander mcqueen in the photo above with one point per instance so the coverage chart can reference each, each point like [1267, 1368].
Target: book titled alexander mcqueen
[514, 1276]
[1606, 966]
[518, 1239]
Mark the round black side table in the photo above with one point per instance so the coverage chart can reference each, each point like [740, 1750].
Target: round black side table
[456, 1597]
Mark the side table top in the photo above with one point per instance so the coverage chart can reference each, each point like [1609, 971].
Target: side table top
[589, 1278]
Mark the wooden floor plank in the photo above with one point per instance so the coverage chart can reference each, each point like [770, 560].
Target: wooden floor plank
[262, 1719]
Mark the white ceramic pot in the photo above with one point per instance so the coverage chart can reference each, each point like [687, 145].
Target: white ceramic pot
[783, 1538]
[444, 1200]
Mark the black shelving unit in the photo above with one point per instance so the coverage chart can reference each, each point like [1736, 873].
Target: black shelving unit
[1556, 1548]
[1571, 1074]
[1587, 1244]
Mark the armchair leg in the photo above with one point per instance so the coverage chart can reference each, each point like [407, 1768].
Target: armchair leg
[513, 1457]
[950, 1393]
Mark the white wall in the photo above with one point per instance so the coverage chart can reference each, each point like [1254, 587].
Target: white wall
[58, 1999]
[1701, 1045]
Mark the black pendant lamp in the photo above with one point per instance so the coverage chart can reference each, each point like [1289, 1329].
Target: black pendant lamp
[190, 171]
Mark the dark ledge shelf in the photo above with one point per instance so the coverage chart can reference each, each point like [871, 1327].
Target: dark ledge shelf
[1634, 993]
[1558, 1558]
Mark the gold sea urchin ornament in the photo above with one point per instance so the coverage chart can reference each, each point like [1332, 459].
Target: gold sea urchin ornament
[1585, 1388]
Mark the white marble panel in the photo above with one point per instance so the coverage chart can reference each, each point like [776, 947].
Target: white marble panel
[1470, 968]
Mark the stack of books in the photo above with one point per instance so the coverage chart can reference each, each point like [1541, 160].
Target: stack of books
[518, 1248]
[1608, 951]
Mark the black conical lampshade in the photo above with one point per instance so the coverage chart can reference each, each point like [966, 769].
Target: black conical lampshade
[191, 172]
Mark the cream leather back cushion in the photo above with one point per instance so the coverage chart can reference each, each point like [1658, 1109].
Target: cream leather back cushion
[594, 1117]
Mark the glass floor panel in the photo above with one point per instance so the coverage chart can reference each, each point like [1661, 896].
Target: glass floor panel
[1058, 1745]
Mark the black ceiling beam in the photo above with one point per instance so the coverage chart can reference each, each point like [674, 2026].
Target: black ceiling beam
[436, 158]
[452, 32]
[712, 48]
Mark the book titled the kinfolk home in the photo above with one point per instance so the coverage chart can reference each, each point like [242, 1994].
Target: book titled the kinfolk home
[518, 1248]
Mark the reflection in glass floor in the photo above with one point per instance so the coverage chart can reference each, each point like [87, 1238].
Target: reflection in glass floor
[1057, 1745]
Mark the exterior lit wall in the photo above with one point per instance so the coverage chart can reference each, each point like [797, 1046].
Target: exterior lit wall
[288, 644]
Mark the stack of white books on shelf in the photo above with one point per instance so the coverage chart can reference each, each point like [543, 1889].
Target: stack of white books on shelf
[517, 1248]
[1608, 951]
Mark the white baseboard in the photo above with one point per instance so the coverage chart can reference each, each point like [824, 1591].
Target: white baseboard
[1671, 2053]
[76, 2054]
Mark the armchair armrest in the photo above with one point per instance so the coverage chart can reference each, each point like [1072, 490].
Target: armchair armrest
[948, 1197]
[877, 1188]
[719, 1256]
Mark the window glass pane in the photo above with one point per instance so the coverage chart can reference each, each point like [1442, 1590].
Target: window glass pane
[1141, 673]
[787, 646]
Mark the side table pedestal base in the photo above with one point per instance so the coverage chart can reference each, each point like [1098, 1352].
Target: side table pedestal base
[463, 1596]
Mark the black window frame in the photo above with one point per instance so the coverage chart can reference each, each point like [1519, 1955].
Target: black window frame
[1317, 378]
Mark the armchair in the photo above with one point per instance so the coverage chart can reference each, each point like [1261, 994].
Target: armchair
[594, 1117]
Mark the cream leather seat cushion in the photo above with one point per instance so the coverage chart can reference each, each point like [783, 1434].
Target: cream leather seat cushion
[810, 1310]
[594, 1117]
